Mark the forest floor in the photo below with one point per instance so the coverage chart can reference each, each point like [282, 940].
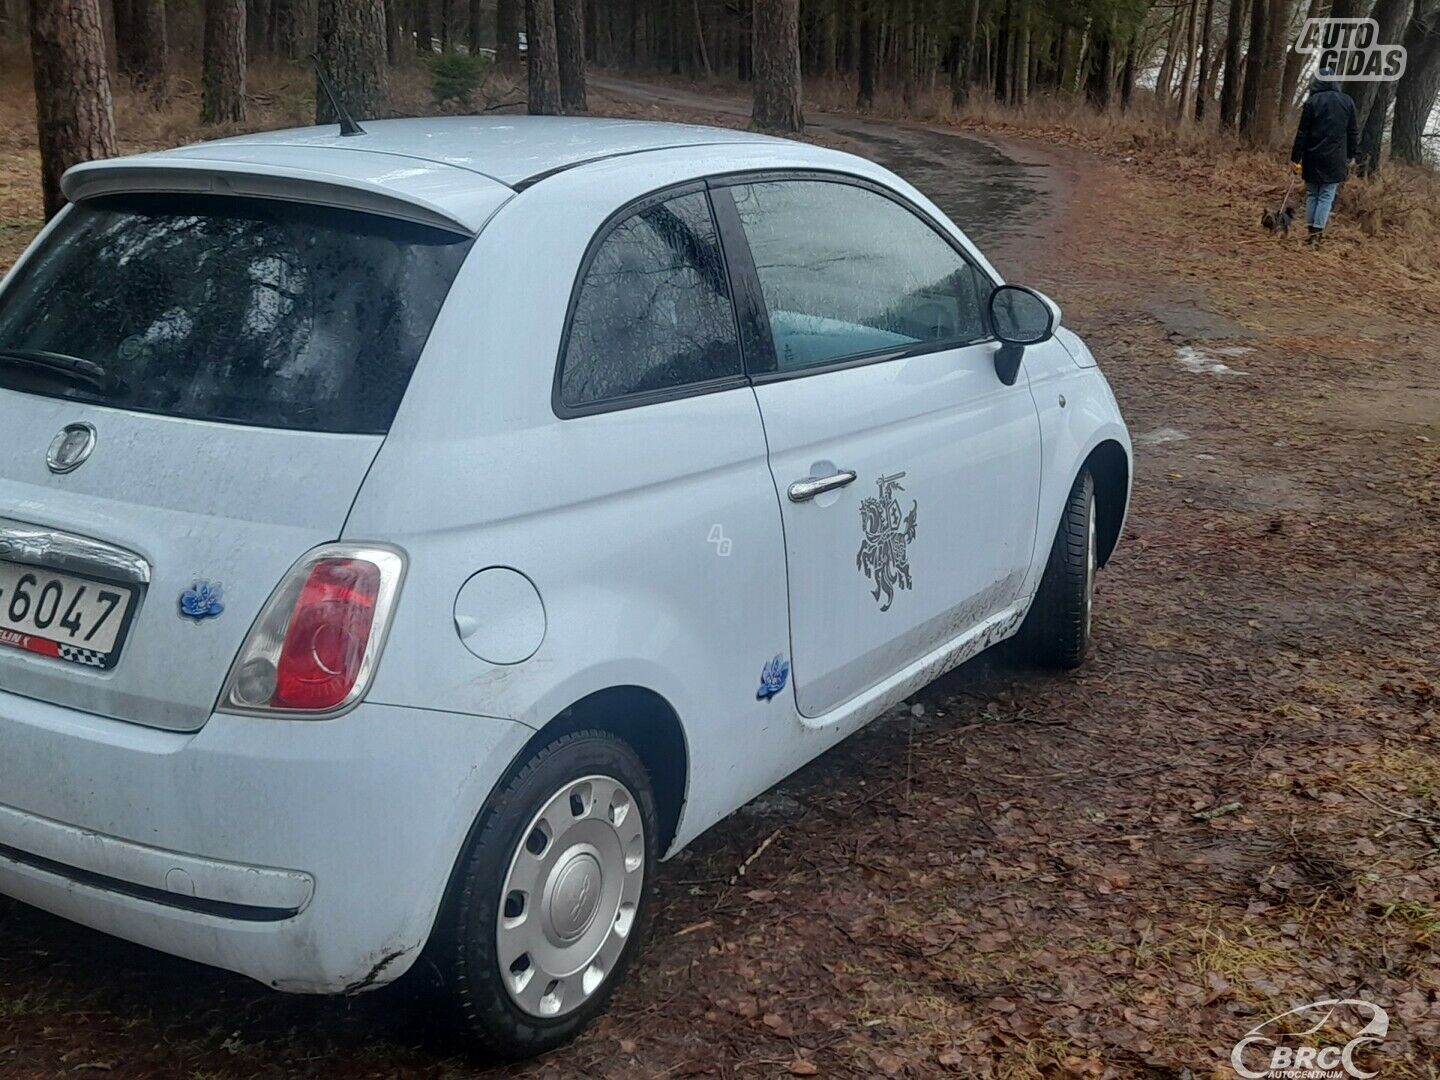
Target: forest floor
[1231, 810]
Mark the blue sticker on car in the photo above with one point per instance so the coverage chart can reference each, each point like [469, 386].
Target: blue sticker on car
[201, 601]
[772, 679]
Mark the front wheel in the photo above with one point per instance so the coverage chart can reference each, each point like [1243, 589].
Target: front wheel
[551, 897]
[1057, 629]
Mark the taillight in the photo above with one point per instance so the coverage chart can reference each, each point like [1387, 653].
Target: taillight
[315, 645]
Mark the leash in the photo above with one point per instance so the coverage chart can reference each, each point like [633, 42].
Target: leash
[1285, 202]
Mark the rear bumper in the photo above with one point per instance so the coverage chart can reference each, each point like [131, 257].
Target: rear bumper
[310, 855]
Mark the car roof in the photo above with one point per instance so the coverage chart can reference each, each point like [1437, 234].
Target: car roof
[451, 171]
[514, 150]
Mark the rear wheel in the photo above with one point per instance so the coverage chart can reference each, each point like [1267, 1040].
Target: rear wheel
[551, 897]
[1057, 630]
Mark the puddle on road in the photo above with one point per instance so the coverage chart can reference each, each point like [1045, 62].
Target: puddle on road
[1207, 361]
[989, 194]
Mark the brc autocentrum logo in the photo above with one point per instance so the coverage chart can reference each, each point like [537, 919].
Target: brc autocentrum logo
[1320, 1041]
[1351, 48]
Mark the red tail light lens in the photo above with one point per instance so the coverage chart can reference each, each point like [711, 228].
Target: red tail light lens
[326, 638]
[315, 646]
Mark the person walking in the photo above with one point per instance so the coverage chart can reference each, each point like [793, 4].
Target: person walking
[1327, 141]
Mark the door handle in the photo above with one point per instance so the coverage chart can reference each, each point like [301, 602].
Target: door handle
[807, 489]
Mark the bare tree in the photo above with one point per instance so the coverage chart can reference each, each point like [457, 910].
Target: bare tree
[1417, 89]
[544, 64]
[777, 66]
[1205, 85]
[1230, 85]
[1187, 69]
[570, 49]
[74, 113]
[222, 76]
[350, 46]
[1254, 67]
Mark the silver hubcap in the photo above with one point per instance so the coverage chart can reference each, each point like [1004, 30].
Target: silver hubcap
[570, 896]
[1090, 569]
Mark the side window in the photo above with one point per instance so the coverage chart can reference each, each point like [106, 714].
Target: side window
[654, 309]
[846, 271]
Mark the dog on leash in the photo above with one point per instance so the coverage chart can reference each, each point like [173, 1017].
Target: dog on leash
[1278, 221]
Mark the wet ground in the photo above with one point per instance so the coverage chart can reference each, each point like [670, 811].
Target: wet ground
[1001, 197]
[1232, 809]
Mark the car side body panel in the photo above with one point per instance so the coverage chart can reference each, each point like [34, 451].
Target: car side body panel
[622, 538]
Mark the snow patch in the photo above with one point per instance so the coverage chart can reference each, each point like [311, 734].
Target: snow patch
[1208, 362]
[1160, 436]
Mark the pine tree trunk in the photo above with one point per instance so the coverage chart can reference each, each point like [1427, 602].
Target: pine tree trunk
[257, 20]
[424, 27]
[395, 30]
[222, 79]
[290, 30]
[350, 49]
[705, 65]
[507, 34]
[865, 99]
[73, 110]
[964, 49]
[777, 66]
[544, 64]
[122, 19]
[1022, 53]
[907, 56]
[570, 50]
[141, 50]
[476, 21]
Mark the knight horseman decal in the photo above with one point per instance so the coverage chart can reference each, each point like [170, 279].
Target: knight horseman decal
[884, 554]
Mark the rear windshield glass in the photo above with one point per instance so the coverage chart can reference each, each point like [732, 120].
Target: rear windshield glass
[230, 309]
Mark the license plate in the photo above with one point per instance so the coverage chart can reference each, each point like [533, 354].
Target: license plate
[70, 618]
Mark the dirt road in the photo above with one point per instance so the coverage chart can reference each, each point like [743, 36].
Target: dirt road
[1233, 809]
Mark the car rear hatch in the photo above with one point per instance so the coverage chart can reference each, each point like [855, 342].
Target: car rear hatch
[192, 389]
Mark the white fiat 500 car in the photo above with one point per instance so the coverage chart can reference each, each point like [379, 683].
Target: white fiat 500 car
[408, 539]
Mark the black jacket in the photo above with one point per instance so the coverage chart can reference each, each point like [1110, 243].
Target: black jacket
[1329, 136]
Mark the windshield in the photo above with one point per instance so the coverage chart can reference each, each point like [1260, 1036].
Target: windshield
[248, 311]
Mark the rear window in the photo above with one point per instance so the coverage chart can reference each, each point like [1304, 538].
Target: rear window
[247, 311]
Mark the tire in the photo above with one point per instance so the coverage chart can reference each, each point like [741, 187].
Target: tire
[1057, 629]
[576, 898]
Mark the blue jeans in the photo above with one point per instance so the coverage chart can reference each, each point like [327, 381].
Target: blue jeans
[1319, 198]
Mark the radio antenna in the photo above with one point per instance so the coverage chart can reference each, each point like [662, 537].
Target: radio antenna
[348, 126]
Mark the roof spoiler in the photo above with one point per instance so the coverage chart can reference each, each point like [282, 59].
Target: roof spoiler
[194, 175]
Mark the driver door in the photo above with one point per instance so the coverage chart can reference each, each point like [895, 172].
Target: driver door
[908, 475]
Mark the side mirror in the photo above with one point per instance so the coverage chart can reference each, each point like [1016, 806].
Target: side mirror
[1019, 317]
